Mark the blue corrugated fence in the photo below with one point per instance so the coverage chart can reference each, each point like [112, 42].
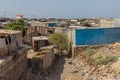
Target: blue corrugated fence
[96, 36]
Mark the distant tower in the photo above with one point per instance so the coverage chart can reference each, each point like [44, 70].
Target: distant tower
[19, 16]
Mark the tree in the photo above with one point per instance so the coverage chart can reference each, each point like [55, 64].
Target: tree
[83, 20]
[17, 25]
[86, 24]
[60, 41]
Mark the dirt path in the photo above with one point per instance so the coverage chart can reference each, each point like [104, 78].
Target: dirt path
[62, 69]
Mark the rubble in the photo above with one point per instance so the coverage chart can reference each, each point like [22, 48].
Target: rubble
[101, 72]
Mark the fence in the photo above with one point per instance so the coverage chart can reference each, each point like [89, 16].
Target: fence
[96, 36]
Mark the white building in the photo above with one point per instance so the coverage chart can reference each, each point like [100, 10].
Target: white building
[19, 16]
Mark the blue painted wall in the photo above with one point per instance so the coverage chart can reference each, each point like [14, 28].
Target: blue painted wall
[96, 36]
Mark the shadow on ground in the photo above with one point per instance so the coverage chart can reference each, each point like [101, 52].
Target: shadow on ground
[56, 69]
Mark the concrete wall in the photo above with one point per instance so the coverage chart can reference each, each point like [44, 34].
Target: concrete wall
[11, 67]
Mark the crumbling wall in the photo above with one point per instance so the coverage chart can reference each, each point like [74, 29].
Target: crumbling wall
[12, 68]
[42, 60]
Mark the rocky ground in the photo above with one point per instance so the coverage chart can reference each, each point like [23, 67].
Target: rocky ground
[101, 72]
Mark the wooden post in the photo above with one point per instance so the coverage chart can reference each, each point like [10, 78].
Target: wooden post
[33, 44]
[73, 51]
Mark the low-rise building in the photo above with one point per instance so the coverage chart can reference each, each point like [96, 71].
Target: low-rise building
[19, 16]
[106, 23]
[61, 30]
[37, 23]
[13, 55]
[38, 42]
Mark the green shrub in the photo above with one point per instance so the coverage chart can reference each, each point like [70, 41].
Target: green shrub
[97, 56]
[88, 53]
[107, 59]
[60, 41]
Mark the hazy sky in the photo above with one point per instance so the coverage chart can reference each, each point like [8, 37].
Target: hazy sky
[61, 8]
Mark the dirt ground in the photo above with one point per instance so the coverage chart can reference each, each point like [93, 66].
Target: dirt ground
[63, 69]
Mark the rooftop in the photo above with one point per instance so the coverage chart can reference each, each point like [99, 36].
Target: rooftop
[40, 38]
[4, 31]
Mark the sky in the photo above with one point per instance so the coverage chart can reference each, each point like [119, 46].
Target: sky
[60, 8]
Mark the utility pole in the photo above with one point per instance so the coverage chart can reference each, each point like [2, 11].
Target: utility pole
[5, 14]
